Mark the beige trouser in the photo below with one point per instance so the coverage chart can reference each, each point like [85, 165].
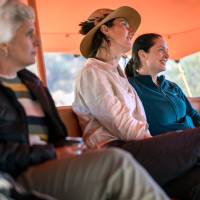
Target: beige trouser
[110, 174]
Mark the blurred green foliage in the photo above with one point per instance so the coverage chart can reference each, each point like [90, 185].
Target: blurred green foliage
[191, 68]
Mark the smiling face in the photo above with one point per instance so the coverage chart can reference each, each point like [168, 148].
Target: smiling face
[120, 35]
[22, 48]
[154, 61]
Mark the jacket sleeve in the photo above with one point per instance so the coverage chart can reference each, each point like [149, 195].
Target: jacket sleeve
[58, 131]
[189, 109]
[15, 157]
[98, 93]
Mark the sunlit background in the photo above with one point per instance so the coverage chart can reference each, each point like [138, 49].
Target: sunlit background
[62, 69]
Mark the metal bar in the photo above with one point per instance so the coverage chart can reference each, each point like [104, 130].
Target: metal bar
[189, 93]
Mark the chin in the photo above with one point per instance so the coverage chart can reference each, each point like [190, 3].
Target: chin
[27, 64]
[162, 69]
[127, 49]
[31, 62]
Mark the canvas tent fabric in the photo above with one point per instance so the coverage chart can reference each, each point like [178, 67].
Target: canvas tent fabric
[57, 24]
[177, 20]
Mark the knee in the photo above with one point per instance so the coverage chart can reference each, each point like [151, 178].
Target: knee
[118, 153]
[119, 158]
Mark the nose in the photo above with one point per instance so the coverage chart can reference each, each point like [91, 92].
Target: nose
[131, 31]
[37, 41]
[166, 54]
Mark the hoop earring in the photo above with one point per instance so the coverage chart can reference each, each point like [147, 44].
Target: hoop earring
[4, 51]
[108, 42]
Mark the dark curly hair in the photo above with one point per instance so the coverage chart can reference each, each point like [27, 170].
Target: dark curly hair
[88, 25]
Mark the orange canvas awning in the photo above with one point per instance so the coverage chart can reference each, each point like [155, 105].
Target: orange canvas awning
[177, 20]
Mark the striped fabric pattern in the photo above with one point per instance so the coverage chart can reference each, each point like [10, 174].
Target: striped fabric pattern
[36, 117]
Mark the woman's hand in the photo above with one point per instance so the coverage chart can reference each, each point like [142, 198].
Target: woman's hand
[35, 139]
[64, 152]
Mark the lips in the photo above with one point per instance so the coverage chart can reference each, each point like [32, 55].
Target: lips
[163, 61]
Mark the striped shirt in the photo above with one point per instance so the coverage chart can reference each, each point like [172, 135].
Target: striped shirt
[37, 124]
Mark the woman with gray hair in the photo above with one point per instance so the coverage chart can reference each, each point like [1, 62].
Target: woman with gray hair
[32, 136]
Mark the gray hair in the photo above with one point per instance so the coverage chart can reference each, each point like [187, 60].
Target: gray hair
[12, 14]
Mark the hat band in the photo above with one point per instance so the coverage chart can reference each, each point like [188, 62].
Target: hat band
[97, 20]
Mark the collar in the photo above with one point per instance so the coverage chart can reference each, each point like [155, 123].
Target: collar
[101, 63]
[147, 80]
[105, 66]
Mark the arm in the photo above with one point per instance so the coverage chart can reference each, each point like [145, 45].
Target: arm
[98, 91]
[15, 157]
[190, 111]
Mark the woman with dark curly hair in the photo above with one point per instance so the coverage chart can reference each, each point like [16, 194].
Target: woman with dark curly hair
[158, 95]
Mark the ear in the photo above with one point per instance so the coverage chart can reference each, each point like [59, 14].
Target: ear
[142, 54]
[104, 29]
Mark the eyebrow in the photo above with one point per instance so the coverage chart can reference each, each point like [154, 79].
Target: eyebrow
[120, 19]
[162, 46]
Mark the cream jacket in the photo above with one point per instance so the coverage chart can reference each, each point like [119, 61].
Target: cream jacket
[107, 106]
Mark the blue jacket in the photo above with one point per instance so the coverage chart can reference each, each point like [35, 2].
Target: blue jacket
[167, 108]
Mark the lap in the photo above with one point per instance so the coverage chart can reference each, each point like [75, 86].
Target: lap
[77, 177]
[187, 186]
[99, 175]
[166, 156]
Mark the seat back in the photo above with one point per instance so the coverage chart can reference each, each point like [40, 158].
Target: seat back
[70, 120]
[195, 101]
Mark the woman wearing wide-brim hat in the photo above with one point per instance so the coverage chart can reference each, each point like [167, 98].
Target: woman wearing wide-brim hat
[111, 113]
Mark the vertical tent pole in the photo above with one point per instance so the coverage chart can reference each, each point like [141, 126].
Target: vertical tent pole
[189, 93]
[40, 57]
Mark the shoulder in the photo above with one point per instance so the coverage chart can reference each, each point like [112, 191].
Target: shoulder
[27, 74]
[93, 69]
[28, 77]
[172, 87]
[171, 84]
[132, 81]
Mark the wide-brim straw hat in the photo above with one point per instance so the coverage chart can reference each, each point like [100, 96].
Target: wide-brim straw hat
[130, 14]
